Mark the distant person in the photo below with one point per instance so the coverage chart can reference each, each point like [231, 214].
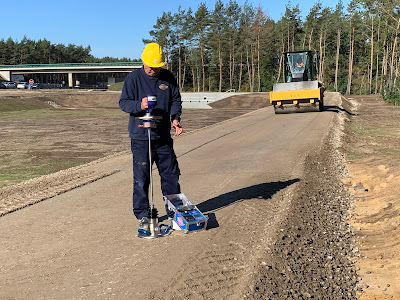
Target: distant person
[151, 79]
[299, 65]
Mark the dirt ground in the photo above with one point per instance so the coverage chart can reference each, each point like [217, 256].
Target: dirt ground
[74, 128]
[372, 147]
[85, 126]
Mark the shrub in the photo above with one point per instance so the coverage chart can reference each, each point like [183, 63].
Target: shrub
[391, 95]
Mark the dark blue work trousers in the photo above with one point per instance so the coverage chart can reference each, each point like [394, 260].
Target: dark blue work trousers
[162, 153]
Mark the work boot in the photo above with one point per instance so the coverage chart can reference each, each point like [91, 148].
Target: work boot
[144, 223]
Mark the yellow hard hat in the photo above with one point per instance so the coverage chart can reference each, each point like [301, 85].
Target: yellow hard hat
[153, 55]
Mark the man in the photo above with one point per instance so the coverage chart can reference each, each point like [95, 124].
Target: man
[299, 64]
[151, 79]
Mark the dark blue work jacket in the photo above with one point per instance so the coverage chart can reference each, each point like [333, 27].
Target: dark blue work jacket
[138, 85]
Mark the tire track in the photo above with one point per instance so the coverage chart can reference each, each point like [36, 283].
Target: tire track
[226, 268]
[45, 187]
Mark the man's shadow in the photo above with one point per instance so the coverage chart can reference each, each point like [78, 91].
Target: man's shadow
[259, 191]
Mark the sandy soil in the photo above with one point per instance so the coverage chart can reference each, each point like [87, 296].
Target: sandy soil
[372, 145]
[323, 235]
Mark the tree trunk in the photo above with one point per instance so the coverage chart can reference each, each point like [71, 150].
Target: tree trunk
[231, 64]
[241, 70]
[396, 73]
[248, 66]
[337, 59]
[320, 75]
[280, 65]
[377, 58]
[198, 78]
[376, 75]
[362, 83]
[293, 39]
[249, 69]
[179, 67]
[385, 59]
[258, 61]
[288, 39]
[310, 38]
[372, 55]
[253, 69]
[323, 57]
[393, 51]
[203, 66]
[348, 90]
[184, 74]
[304, 42]
[194, 75]
[220, 65]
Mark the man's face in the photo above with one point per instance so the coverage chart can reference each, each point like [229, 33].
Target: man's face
[151, 71]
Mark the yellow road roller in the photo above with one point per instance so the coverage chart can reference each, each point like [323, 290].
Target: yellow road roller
[301, 91]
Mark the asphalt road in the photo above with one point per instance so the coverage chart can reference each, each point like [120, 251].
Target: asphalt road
[241, 173]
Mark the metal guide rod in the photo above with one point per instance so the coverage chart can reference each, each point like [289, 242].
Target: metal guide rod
[154, 230]
[151, 171]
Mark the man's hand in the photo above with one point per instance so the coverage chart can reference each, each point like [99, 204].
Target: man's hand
[177, 126]
[144, 105]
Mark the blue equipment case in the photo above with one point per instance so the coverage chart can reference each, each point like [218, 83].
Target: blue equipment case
[186, 215]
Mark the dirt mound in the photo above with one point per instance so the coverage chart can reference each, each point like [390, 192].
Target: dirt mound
[251, 101]
[75, 100]
[109, 99]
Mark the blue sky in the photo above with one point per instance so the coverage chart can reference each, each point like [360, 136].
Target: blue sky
[112, 28]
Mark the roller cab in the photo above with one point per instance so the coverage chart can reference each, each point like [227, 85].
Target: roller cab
[300, 92]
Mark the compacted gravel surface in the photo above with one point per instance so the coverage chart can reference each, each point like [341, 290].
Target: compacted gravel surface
[276, 230]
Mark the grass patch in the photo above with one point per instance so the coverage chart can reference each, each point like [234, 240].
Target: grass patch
[17, 109]
[24, 114]
[357, 129]
[13, 175]
[390, 151]
[16, 167]
[49, 113]
[372, 132]
[360, 142]
[351, 154]
[383, 132]
[15, 105]
[116, 86]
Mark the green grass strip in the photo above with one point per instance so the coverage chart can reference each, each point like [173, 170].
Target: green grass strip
[16, 174]
[15, 105]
